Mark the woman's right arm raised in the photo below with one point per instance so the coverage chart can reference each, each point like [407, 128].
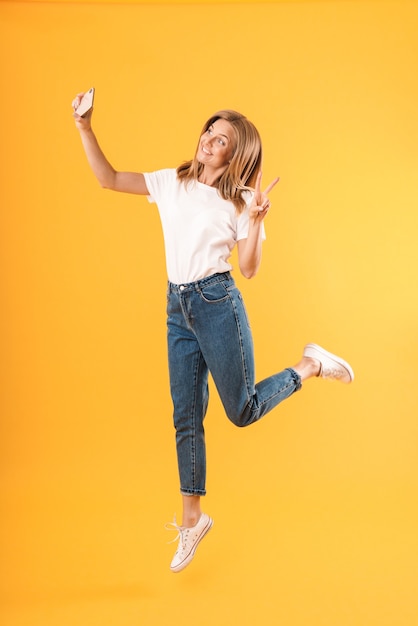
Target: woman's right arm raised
[108, 177]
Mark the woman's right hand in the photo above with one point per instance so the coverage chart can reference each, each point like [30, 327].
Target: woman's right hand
[82, 123]
[107, 176]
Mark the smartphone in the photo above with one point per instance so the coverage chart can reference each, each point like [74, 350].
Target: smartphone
[86, 102]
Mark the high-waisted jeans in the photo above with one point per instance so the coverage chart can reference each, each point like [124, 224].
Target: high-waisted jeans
[208, 331]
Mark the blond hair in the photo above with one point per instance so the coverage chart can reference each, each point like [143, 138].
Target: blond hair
[245, 164]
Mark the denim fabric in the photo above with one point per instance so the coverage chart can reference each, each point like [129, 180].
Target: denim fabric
[208, 331]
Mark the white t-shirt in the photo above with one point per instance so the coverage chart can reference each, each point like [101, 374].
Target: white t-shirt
[200, 228]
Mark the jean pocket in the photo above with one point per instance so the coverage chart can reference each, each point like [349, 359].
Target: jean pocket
[214, 293]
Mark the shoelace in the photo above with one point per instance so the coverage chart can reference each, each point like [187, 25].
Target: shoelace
[333, 372]
[182, 535]
[174, 526]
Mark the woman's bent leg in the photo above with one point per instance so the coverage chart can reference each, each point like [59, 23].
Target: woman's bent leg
[222, 328]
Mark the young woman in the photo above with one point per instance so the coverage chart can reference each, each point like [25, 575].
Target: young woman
[207, 206]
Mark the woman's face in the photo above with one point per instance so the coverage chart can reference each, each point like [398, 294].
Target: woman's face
[216, 145]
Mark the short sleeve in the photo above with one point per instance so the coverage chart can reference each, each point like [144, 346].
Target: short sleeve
[157, 183]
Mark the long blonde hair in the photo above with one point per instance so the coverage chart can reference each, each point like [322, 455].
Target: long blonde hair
[241, 173]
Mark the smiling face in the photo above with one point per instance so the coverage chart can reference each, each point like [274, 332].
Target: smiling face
[228, 156]
[216, 146]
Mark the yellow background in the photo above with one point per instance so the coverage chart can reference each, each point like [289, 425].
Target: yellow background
[315, 507]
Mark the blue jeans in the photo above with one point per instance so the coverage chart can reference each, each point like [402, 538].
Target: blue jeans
[208, 331]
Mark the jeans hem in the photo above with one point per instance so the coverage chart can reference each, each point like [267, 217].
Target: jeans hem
[297, 379]
[193, 492]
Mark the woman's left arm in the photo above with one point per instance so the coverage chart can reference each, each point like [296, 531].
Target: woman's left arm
[249, 249]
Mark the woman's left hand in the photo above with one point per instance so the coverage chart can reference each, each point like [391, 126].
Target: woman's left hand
[261, 203]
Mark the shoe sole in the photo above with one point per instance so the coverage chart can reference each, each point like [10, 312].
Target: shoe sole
[189, 557]
[312, 350]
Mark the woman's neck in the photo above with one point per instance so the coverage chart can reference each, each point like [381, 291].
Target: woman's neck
[210, 176]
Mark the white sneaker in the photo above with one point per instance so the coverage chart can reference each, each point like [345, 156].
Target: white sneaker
[332, 367]
[189, 539]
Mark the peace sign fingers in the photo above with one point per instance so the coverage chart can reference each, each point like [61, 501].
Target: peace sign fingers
[272, 184]
[261, 201]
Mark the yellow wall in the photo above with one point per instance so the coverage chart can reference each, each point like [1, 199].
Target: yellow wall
[315, 507]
